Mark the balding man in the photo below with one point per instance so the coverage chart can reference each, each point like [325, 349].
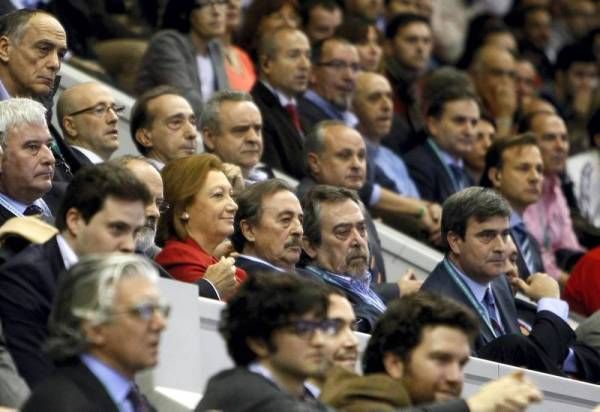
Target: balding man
[88, 116]
[494, 71]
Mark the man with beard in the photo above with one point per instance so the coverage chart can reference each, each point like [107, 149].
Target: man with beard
[268, 228]
[336, 246]
[333, 81]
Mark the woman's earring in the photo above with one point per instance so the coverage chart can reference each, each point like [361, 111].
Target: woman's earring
[185, 216]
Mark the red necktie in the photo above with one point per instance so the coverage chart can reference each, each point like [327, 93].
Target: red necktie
[291, 108]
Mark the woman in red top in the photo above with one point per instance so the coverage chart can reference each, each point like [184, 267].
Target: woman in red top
[200, 218]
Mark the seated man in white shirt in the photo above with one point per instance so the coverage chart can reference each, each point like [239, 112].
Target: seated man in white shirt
[88, 116]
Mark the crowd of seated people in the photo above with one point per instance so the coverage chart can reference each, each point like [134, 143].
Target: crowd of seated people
[469, 126]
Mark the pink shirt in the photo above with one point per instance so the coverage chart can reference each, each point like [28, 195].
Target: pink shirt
[549, 222]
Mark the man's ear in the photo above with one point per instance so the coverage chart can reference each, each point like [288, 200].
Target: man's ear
[69, 128]
[94, 333]
[314, 165]
[247, 230]
[432, 125]
[597, 140]
[453, 242]
[259, 347]
[5, 46]
[265, 64]
[208, 139]
[73, 221]
[495, 176]
[394, 366]
[144, 137]
[309, 248]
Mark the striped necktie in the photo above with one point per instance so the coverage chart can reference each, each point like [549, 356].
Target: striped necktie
[490, 304]
[525, 246]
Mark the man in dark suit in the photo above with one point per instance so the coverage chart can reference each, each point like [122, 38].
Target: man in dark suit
[475, 227]
[514, 168]
[100, 343]
[284, 67]
[88, 116]
[102, 211]
[335, 67]
[267, 231]
[275, 328]
[231, 126]
[437, 165]
[27, 163]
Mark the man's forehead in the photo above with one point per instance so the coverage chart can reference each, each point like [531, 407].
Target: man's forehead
[287, 40]
[42, 26]
[343, 138]
[528, 153]
[340, 307]
[239, 112]
[281, 200]
[168, 105]
[341, 213]
[498, 222]
[29, 131]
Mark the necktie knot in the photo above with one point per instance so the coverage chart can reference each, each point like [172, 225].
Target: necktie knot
[33, 210]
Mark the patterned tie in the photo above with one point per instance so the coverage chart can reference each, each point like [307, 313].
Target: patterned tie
[525, 246]
[490, 305]
[293, 111]
[33, 210]
[138, 401]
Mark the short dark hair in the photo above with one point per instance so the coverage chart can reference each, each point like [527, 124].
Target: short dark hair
[92, 185]
[437, 101]
[400, 328]
[356, 30]
[250, 206]
[317, 48]
[574, 53]
[176, 15]
[311, 205]
[140, 117]
[436, 82]
[493, 157]
[401, 20]
[307, 6]
[477, 202]
[265, 303]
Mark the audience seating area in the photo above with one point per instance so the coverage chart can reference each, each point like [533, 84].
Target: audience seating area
[192, 350]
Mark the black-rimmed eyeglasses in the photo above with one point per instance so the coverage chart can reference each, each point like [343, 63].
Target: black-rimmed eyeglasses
[100, 110]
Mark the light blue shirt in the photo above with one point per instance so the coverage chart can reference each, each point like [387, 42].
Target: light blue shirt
[18, 208]
[3, 92]
[332, 111]
[116, 385]
[394, 168]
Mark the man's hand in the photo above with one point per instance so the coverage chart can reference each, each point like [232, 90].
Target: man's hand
[409, 283]
[222, 276]
[235, 177]
[510, 393]
[537, 286]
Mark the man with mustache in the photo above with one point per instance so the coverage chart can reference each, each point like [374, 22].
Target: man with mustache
[476, 231]
[163, 126]
[336, 247]
[88, 116]
[268, 228]
[27, 163]
[231, 126]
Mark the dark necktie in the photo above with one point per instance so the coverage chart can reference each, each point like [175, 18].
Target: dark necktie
[458, 176]
[138, 401]
[490, 305]
[525, 246]
[33, 210]
[293, 111]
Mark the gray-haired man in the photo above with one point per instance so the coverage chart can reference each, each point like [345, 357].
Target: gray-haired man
[105, 326]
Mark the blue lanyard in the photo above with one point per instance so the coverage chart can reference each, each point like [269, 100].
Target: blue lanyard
[436, 150]
[469, 294]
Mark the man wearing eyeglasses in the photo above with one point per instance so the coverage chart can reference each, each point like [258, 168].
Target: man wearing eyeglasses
[275, 328]
[335, 68]
[88, 116]
[102, 212]
[105, 327]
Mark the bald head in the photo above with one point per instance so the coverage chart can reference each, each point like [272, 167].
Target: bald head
[88, 116]
[373, 105]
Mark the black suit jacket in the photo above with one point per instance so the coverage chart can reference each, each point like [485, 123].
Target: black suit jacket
[251, 266]
[550, 336]
[311, 114]
[429, 174]
[53, 199]
[239, 390]
[283, 144]
[71, 388]
[28, 284]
